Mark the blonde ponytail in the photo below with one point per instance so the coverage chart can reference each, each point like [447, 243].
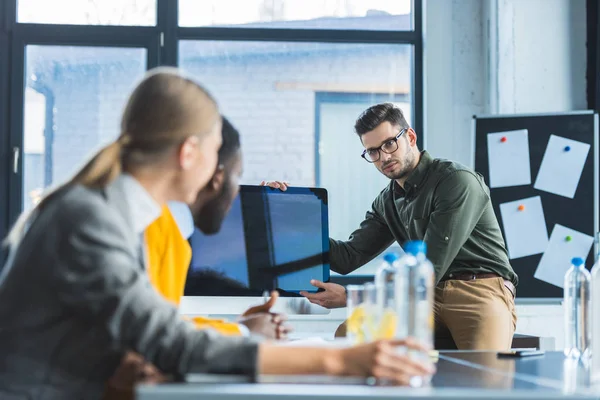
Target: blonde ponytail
[104, 167]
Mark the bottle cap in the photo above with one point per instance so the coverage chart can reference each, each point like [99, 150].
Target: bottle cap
[390, 257]
[577, 261]
[415, 247]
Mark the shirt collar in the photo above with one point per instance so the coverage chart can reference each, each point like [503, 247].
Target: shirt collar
[183, 218]
[417, 176]
[142, 207]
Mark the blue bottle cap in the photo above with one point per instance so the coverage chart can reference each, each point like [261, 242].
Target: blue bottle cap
[577, 261]
[390, 257]
[415, 247]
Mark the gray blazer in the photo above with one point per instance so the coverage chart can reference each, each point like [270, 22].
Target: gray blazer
[74, 296]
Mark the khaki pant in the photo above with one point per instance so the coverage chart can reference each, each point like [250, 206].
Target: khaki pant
[477, 314]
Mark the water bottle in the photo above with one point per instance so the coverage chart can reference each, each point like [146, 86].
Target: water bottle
[595, 318]
[392, 295]
[421, 281]
[420, 319]
[576, 374]
[577, 310]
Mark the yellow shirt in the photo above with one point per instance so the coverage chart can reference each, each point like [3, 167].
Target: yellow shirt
[169, 256]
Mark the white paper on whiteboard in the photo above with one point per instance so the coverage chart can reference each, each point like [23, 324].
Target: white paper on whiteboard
[557, 259]
[525, 231]
[509, 159]
[560, 170]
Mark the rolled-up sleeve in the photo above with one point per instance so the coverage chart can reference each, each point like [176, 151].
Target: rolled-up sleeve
[368, 241]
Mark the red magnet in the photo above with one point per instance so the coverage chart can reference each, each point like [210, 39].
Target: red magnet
[504, 139]
[521, 207]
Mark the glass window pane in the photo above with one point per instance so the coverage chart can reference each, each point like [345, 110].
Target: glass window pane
[298, 14]
[295, 105]
[74, 97]
[88, 12]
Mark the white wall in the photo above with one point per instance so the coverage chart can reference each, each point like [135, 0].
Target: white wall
[455, 79]
[543, 58]
[502, 56]
[499, 56]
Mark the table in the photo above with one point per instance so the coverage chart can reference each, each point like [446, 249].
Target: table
[551, 370]
[461, 375]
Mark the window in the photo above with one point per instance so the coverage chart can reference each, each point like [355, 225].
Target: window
[73, 100]
[88, 12]
[292, 75]
[269, 91]
[298, 14]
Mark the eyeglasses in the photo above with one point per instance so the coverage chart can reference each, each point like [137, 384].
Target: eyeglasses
[388, 147]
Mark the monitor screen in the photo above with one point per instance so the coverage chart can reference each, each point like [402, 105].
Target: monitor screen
[269, 240]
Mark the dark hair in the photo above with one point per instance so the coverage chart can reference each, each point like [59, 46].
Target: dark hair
[373, 116]
[231, 141]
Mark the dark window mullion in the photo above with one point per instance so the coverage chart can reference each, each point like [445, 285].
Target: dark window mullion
[6, 23]
[15, 135]
[167, 20]
[77, 35]
[297, 35]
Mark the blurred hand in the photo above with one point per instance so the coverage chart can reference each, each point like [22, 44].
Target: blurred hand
[134, 369]
[382, 360]
[260, 320]
[270, 326]
[334, 295]
[276, 185]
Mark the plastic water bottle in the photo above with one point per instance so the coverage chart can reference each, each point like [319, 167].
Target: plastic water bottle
[421, 281]
[420, 277]
[595, 318]
[577, 310]
[392, 299]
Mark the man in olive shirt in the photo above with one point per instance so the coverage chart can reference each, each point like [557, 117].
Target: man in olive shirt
[448, 206]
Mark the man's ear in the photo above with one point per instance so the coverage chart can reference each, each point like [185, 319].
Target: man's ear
[218, 178]
[411, 135]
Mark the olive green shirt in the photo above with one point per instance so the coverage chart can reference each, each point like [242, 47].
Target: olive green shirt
[443, 203]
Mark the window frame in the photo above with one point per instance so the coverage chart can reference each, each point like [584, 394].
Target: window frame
[4, 124]
[162, 44]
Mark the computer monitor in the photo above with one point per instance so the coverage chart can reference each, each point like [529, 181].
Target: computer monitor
[270, 240]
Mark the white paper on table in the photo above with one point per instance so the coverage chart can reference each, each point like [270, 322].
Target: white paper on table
[557, 259]
[560, 170]
[525, 231]
[509, 160]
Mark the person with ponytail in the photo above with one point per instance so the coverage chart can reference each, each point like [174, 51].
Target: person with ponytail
[74, 293]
